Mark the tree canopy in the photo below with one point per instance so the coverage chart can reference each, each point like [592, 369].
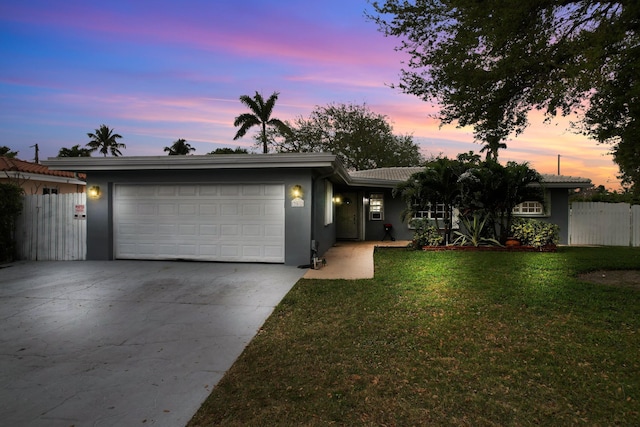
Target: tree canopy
[227, 150]
[489, 63]
[105, 141]
[75, 151]
[6, 152]
[180, 147]
[260, 115]
[359, 137]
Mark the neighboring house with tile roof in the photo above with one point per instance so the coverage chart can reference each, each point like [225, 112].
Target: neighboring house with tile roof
[35, 178]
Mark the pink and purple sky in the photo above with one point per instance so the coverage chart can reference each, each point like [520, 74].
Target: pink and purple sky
[159, 70]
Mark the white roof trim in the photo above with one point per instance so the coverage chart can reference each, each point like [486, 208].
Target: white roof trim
[219, 161]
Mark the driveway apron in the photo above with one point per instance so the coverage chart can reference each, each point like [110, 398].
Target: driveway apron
[125, 343]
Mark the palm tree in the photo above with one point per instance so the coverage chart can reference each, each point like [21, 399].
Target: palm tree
[74, 151]
[492, 146]
[260, 116]
[179, 148]
[105, 141]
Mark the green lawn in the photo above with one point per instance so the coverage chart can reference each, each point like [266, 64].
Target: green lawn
[446, 338]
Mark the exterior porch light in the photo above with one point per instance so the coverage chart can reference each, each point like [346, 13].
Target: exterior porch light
[94, 192]
[296, 192]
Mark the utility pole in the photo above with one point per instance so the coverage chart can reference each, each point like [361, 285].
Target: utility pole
[37, 159]
[558, 164]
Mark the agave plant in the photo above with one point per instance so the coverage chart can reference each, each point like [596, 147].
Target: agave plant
[474, 232]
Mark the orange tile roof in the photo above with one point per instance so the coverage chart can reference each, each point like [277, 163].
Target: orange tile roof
[17, 165]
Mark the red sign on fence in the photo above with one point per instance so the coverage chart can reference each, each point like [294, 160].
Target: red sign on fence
[79, 212]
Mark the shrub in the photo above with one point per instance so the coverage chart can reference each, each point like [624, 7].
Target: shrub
[426, 233]
[10, 208]
[474, 232]
[536, 233]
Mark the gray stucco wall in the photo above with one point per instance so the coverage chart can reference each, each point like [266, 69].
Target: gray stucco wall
[559, 205]
[325, 235]
[298, 230]
[559, 214]
[393, 208]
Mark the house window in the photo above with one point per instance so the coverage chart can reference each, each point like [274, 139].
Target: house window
[439, 212]
[47, 190]
[529, 209]
[376, 207]
[328, 203]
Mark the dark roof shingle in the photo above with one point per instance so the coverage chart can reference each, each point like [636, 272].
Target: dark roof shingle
[400, 174]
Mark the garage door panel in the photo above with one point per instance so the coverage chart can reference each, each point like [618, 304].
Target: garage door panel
[252, 209]
[229, 209]
[188, 190]
[208, 209]
[208, 230]
[208, 190]
[230, 190]
[217, 222]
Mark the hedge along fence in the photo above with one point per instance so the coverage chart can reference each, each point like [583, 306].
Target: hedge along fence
[52, 227]
[10, 208]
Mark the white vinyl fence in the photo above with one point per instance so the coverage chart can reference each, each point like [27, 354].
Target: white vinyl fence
[52, 227]
[607, 224]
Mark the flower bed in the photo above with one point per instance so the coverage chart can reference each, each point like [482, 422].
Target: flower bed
[546, 248]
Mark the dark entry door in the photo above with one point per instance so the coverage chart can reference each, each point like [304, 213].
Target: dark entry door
[347, 217]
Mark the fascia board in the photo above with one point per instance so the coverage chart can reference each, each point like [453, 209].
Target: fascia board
[223, 161]
[45, 178]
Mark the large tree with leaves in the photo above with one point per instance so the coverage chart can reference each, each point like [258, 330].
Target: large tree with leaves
[260, 116]
[489, 63]
[361, 138]
[180, 147]
[105, 141]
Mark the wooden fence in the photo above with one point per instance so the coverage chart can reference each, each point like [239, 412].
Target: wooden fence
[52, 227]
[608, 224]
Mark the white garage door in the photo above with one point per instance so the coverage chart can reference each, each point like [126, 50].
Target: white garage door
[224, 222]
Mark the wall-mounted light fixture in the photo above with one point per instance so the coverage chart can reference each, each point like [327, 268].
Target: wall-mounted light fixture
[94, 192]
[296, 191]
[337, 199]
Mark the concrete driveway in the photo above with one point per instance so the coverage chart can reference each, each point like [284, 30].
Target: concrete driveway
[125, 343]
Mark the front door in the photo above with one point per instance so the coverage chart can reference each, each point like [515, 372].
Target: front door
[347, 217]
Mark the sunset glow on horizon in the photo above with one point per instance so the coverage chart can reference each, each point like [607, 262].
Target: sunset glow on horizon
[157, 71]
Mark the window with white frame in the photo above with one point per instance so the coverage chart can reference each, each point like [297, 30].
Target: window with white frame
[529, 208]
[328, 203]
[376, 207]
[439, 212]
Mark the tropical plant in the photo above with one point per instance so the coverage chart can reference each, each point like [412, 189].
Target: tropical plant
[260, 116]
[474, 232]
[105, 141]
[491, 147]
[74, 151]
[536, 233]
[496, 189]
[180, 147]
[436, 184]
[425, 234]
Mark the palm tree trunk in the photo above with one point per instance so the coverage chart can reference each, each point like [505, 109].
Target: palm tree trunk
[265, 150]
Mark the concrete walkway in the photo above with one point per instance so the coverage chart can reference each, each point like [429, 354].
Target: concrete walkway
[125, 343]
[351, 260]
